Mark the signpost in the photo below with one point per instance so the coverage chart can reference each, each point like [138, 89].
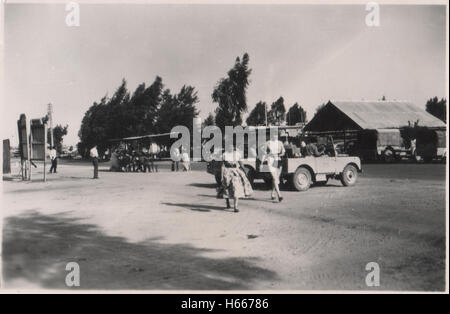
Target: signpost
[50, 120]
[38, 142]
[23, 145]
[6, 157]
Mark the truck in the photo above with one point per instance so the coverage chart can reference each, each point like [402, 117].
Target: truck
[303, 171]
[431, 144]
[386, 145]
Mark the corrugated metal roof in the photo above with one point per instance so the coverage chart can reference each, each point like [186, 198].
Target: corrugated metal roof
[386, 114]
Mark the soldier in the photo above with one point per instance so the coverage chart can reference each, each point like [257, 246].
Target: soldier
[94, 156]
[53, 159]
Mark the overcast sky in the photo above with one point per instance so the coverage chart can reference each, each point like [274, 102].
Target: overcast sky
[307, 54]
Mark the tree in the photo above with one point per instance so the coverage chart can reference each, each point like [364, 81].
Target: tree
[258, 115]
[148, 110]
[143, 108]
[209, 121]
[296, 114]
[230, 94]
[59, 132]
[94, 127]
[437, 108]
[276, 115]
[177, 109]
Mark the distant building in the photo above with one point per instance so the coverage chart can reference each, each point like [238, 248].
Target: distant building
[370, 115]
[373, 129]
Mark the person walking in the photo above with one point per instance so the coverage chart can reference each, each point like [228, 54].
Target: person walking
[53, 159]
[175, 155]
[274, 151]
[154, 151]
[185, 159]
[94, 156]
[235, 183]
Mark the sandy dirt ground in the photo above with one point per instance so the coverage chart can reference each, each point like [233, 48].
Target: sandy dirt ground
[168, 231]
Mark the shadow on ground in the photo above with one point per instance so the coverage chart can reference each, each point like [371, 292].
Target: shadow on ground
[37, 248]
[197, 207]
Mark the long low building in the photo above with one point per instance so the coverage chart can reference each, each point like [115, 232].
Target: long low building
[372, 115]
[376, 129]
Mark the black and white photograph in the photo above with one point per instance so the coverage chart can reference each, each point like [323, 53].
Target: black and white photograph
[229, 147]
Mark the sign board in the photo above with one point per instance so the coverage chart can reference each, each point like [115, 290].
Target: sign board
[23, 137]
[6, 157]
[38, 139]
[38, 142]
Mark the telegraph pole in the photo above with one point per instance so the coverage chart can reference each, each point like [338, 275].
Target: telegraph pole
[265, 111]
[50, 120]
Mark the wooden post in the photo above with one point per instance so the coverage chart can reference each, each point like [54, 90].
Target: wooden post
[30, 154]
[265, 110]
[45, 151]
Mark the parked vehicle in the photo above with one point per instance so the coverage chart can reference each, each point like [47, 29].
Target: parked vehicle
[386, 145]
[431, 144]
[303, 171]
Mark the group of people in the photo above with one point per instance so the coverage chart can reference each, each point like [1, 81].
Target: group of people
[180, 156]
[130, 160]
[234, 181]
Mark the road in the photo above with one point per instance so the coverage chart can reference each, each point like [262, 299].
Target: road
[168, 231]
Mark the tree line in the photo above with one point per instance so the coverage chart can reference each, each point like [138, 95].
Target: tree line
[148, 110]
[155, 109]
[230, 96]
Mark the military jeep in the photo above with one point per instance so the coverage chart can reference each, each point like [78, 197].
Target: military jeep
[303, 171]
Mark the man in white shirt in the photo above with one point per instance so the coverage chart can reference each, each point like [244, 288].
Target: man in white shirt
[53, 159]
[94, 157]
[275, 150]
[154, 151]
[176, 156]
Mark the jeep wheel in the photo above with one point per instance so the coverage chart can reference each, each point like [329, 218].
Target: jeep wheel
[388, 156]
[301, 179]
[349, 175]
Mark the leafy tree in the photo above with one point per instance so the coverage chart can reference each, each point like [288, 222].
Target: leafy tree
[276, 115]
[177, 109]
[59, 132]
[117, 113]
[148, 110]
[230, 94]
[437, 108]
[143, 108]
[94, 128]
[209, 121]
[296, 114]
[258, 115]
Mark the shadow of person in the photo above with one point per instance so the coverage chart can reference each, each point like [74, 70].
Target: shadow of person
[196, 207]
[204, 185]
[37, 248]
